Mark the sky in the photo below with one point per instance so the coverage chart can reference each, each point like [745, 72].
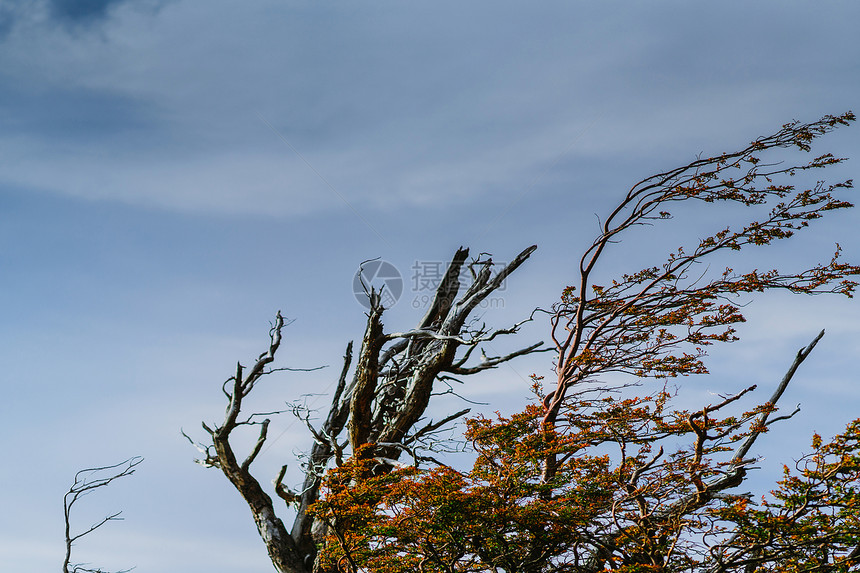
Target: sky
[174, 172]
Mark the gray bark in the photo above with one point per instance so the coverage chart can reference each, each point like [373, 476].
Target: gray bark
[389, 392]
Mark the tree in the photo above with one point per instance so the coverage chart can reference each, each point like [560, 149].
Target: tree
[595, 473]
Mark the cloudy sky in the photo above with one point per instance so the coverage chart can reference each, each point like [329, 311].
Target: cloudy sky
[173, 172]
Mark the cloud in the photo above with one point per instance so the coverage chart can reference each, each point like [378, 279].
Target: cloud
[79, 11]
[9, 14]
[388, 114]
[70, 15]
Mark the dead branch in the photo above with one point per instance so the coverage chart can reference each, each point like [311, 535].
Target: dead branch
[87, 481]
[761, 422]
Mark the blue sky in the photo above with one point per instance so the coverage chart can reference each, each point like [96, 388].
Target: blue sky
[175, 171]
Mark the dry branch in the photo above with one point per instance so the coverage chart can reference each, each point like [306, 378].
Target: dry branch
[87, 481]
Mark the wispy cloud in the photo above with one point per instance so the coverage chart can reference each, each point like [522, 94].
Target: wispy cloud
[143, 113]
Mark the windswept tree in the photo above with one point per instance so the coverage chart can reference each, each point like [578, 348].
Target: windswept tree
[600, 471]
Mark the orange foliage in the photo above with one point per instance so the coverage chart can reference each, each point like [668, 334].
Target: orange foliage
[589, 477]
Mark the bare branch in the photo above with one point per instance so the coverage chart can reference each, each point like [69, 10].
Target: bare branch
[433, 426]
[264, 429]
[495, 361]
[280, 546]
[210, 459]
[87, 481]
[283, 491]
[761, 422]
